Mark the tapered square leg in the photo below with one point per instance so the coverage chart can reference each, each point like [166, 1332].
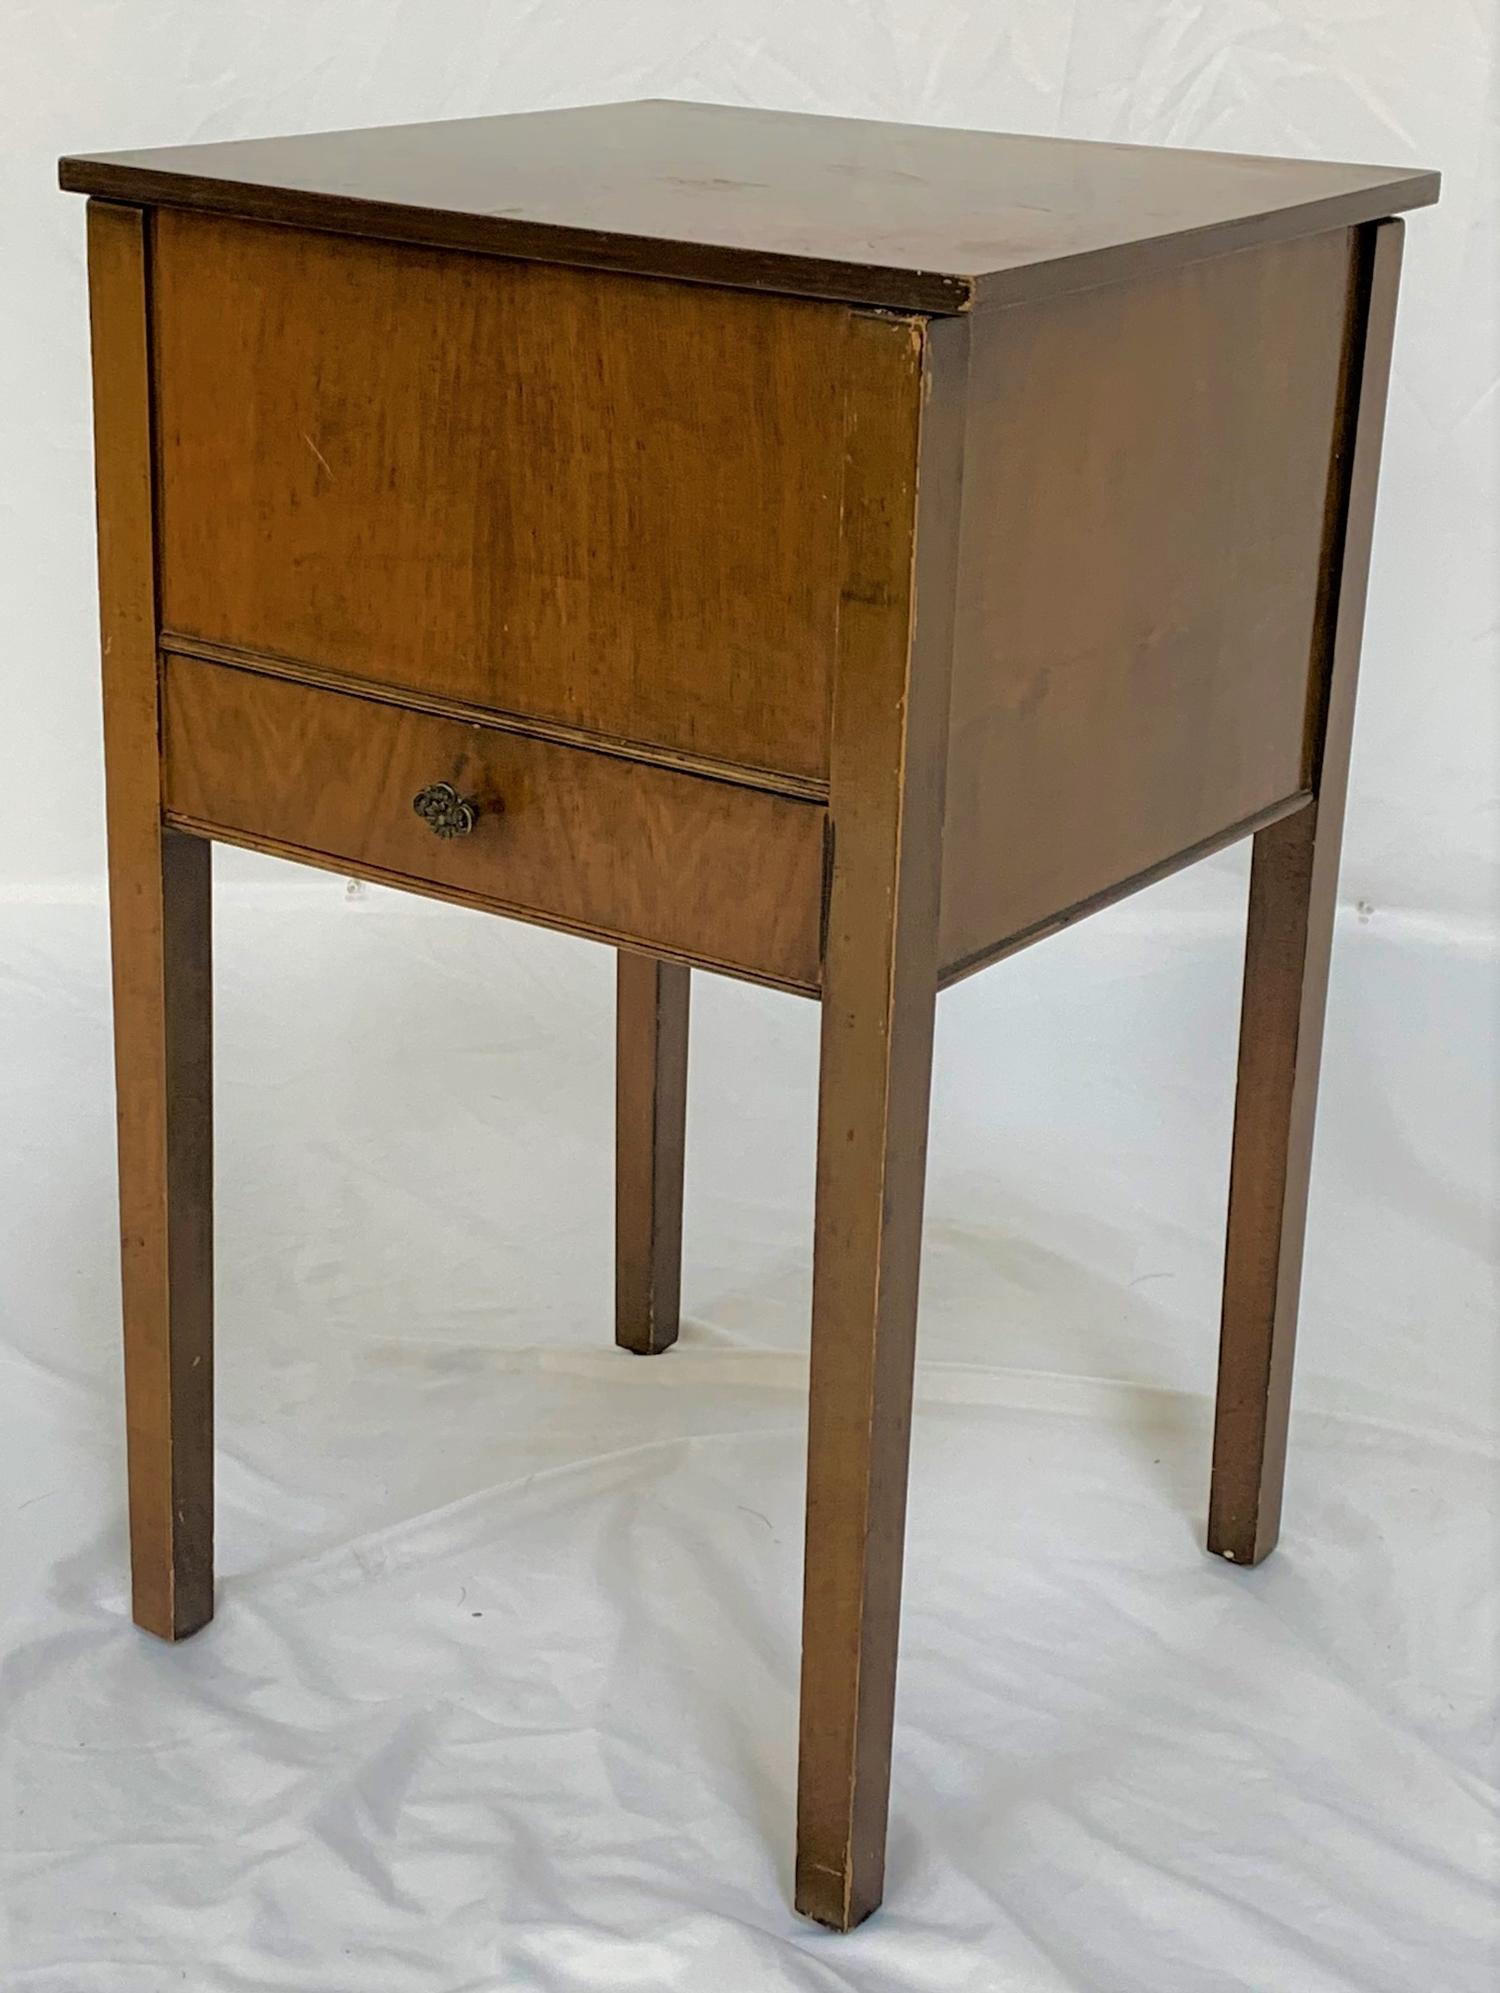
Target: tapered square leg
[872, 1141]
[879, 995]
[1286, 976]
[1293, 898]
[163, 1057]
[650, 1130]
[159, 940]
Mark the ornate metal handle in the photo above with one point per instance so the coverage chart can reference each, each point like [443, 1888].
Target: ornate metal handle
[444, 810]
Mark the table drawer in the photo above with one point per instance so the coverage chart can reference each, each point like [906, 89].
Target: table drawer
[608, 503]
[728, 876]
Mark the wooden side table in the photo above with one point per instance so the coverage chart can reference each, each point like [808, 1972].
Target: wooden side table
[833, 554]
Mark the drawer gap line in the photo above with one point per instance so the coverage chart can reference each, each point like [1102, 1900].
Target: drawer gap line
[796, 788]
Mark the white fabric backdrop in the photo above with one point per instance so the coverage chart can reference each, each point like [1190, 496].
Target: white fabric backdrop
[501, 1693]
[1381, 80]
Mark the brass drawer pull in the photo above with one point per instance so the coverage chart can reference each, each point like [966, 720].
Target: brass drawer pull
[442, 808]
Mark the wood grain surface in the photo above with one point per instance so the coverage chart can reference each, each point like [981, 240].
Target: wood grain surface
[1293, 899]
[911, 217]
[634, 853]
[1150, 472]
[651, 1058]
[879, 996]
[160, 949]
[612, 504]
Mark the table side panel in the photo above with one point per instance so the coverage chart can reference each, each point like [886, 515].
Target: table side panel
[705, 871]
[600, 501]
[1149, 491]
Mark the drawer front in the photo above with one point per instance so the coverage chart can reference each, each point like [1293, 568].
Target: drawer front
[730, 877]
[600, 501]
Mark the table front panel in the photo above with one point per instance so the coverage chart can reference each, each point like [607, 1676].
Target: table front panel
[601, 501]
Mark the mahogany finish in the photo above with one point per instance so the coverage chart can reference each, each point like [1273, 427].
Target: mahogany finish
[916, 218]
[1142, 553]
[160, 945]
[588, 841]
[1293, 892]
[651, 1051]
[506, 484]
[879, 996]
[981, 532]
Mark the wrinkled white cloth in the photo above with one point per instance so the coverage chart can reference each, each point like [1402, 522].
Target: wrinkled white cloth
[502, 1688]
